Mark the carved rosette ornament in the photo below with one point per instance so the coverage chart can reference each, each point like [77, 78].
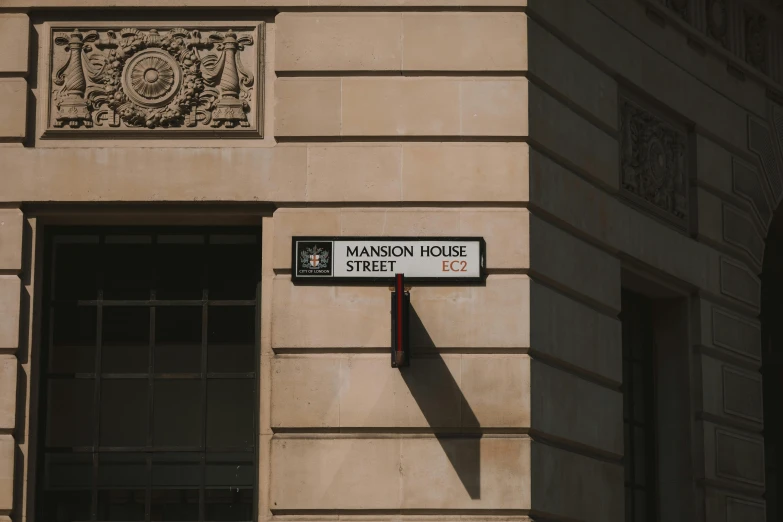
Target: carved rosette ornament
[654, 163]
[156, 79]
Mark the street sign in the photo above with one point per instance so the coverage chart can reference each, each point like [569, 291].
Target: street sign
[378, 259]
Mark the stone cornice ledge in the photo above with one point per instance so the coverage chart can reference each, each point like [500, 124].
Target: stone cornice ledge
[271, 4]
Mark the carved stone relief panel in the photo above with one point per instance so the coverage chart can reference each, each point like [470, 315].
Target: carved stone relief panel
[654, 162]
[155, 80]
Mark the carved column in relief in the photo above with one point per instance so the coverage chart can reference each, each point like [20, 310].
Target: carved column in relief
[230, 110]
[72, 108]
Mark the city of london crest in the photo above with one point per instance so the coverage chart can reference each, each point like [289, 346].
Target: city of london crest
[315, 258]
[146, 79]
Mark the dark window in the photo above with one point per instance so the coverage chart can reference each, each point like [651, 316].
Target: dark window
[149, 408]
[639, 409]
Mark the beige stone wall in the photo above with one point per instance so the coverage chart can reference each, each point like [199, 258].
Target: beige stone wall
[442, 117]
[378, 122]
[329, 370]
[11, 229]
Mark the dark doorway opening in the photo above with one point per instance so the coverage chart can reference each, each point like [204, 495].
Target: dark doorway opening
[639, 420]
[772, 369]
[659, 481]
[149, 368]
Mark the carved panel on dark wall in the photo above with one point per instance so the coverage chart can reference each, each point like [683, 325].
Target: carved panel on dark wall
[718, 21]
[680, 7]
[654, 162]
[756, 40]
[152, 80]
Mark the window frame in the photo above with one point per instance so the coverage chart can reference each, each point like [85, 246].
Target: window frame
[203, 377]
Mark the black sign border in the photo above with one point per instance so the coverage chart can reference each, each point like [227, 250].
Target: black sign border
[315, 280]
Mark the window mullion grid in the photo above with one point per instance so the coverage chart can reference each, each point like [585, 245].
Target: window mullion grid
[629, 389]
[640, 336]
[99, 304]
[150, 378]
[257, 378]
[651, 435]
[97, 391]
[632, 436]
[159, 302]
[50, 337]
[204, 334]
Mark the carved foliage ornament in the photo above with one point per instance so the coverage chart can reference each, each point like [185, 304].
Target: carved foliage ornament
[154, 79]
[654, 162]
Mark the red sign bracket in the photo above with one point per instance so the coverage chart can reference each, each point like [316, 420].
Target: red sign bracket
[400, 321]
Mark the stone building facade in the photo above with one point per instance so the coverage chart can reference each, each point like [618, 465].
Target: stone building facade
[622, 159]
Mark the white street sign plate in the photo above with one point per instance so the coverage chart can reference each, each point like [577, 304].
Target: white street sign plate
[334, 259]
